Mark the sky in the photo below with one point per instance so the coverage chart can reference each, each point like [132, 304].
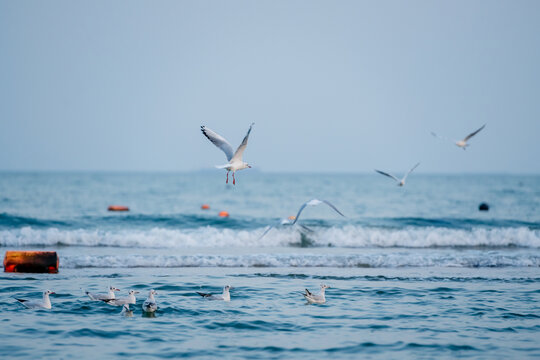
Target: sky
[332, 86]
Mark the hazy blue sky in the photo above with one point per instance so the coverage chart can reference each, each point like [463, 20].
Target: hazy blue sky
[331, 85]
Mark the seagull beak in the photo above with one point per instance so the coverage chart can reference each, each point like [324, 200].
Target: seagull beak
[249, 166]
[52, 292]
[115, 289]
[136, 292]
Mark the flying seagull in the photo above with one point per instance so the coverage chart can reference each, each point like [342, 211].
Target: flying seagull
[315, 202]
[316, 298]
[400, 182]
[461, 143]
[226, 296]
[37, 304]
[235, 159]
[284, 222]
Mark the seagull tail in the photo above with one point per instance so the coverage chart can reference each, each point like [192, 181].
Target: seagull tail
[202, 294]
[222, 166]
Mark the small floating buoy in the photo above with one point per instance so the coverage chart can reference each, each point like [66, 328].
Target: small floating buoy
[118, 208]
[292, 217]
[483, 207]
[223, 214]
[205, 206]
[31, 261]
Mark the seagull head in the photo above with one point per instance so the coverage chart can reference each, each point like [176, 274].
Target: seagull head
[48, 292]
[227, 288]
[112, 288]
[324, 286]
[153, 292]
[133, 292]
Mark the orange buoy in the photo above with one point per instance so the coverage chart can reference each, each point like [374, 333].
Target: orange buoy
[118, 208]
[205, 206]
[292, 217]
[31, 261]
[223, 214]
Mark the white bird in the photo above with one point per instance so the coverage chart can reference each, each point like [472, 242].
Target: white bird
[126, 311]
[119, 302]
[315, 202]
[400, 182]
[37, 304]
[235, 161]
[226, 296]
[150, 303]
[97, 297]
[316, 298]
[284, 222]
[461, 143]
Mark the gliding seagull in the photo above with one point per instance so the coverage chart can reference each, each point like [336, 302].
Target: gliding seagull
[235, 159]
[400, 182]
[36, 304]
[461, 143]
[315, 202]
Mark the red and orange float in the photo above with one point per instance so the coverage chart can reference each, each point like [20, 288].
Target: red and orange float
[31, 261]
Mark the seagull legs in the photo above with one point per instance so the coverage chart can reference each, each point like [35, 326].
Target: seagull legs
[227, 181]
[233, 179]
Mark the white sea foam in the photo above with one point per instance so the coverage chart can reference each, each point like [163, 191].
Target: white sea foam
[374, 260]
[348, 236]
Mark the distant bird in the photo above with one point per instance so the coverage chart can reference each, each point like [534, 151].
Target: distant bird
[119, 302]
[315, 202]
[126, 311]
[37, 304]
[97, 297]
[284, 222]
[400, 182]
[226, 296]
[316, 298]
[235, 159]
[461, 143]
[150, 305]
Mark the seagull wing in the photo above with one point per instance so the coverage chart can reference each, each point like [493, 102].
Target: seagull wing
[219, 141]
[314, 202]
[474, 133]
[389, 175]
[238, 154]
[410, 171]
[268, 228]
[333, 207]
[442, 138]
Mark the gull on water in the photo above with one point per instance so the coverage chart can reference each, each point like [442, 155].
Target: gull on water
[119, 302]
[45, 303]
[316, 298]
[235, 161]
[315, 202]
[400, 182]
[97, 297]
[226, 296]
[126, 311]
[150, 303]
[461, 143]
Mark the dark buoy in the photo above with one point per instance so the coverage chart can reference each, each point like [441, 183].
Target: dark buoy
[483, 207]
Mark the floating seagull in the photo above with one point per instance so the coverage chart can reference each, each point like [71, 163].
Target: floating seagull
[315, 202]
[98, 297]
[226, 296]
[119, 302]
[461, 143]
[37, 304]
[316, 298]
[400, 182]
[235, 159]
[126, 311]
[150, 305]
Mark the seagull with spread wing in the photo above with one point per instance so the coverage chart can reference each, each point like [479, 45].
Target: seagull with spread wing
[461, 143]
[315, 202]
[235, 159]
[400, 182]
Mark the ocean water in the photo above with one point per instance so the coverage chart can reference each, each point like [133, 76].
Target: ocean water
[415, 272]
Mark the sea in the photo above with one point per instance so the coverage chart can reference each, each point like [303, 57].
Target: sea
[415, 272]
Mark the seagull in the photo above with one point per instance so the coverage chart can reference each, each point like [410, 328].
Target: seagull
[98, 297]
[315, 202]
[400, 182]
[119, 302]
[36, 304]
[284, 222]
[461, 143]
[316, 298]
[235, 159]
[226, 296]
[150, 305]
[126, 311]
